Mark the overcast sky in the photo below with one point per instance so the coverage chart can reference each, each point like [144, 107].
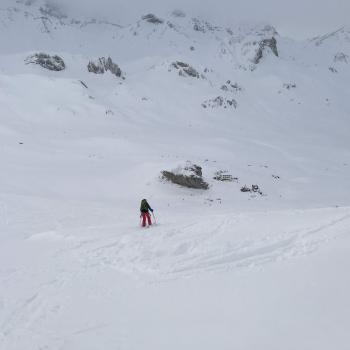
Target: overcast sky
[295, 18]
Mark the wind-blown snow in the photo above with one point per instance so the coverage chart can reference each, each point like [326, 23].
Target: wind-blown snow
[222, 268]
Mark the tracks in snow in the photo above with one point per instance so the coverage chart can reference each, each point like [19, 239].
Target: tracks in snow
[56, 263]
[218, 243]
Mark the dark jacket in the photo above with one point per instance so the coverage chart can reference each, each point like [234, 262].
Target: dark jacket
[145, 207]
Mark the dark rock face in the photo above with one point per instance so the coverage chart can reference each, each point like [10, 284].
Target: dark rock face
[103, 65]
[220, 102]
[53, 63]
[185, 70]
[190, 176]
[151, 18]
[266, 43]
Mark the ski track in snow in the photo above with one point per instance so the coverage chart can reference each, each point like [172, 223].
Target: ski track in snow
[206, 247]
[174, 251]
[164, 252]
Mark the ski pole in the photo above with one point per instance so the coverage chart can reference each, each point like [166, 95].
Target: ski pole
[155, 221]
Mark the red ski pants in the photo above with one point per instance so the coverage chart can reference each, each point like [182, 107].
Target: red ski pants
[144, 217]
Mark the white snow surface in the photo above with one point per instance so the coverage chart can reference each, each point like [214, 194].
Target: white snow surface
[221, 269]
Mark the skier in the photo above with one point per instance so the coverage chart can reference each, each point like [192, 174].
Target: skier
[145, 208]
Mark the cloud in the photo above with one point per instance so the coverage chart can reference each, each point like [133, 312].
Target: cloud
[296, 18]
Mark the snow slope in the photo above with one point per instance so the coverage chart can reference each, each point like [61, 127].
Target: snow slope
[222, 268]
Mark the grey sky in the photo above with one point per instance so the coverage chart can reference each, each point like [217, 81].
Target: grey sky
[295, 18]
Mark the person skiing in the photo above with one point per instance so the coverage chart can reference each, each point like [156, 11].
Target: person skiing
[145, 208]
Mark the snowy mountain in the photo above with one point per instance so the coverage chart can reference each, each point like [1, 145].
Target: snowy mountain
[92, 114]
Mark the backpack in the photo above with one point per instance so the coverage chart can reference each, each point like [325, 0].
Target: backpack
[144, 206]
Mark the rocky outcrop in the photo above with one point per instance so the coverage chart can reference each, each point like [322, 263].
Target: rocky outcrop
[185, 70]
[53, 63]
[189, 176]
[253, 189]
[102, 65]
[290, 86]
[263, 45]
[203, 26]
[151, 18]
[220, 102]
[231, 87]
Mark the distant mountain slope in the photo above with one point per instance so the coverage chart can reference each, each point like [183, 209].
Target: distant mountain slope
[243, 97]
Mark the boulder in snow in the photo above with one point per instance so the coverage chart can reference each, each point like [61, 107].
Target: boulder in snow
[185, 70]
[151, 18]
[289, 86]
[220, 102]
[189, 176]
[231, 87]
[53, 63]
[203, 26]
[103, 65]
[253, 189]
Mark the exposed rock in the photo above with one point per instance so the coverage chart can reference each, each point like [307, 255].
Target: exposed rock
[220, 101]
[289, 86]
[332, 69]
[253, 189]
[185, 70]
[222, 175]
[203, 26]
[189, 176]
[53, 63]
[266, 43]
[198, 26]
[103, 65]
[151, 18]
[207, 70]
[341, 57]
[246, 189]
[229, 87]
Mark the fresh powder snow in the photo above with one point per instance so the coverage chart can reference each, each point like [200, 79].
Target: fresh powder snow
[93, 112]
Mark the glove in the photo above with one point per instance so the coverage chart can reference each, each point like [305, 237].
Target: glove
[151, 210]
